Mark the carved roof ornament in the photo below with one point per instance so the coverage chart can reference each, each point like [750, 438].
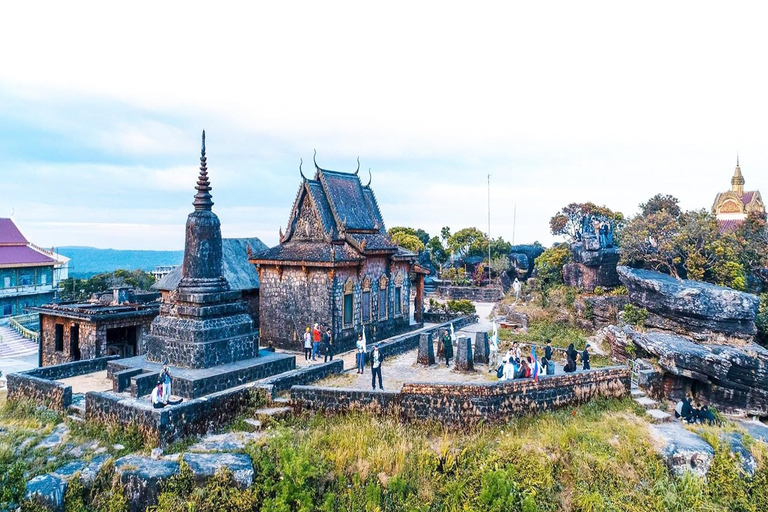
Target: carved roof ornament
[370, 177]
[203, 197]
[280, 232]
[363, 244]
[737, 182]
[301, 162]
[358, 166]
[248, 251]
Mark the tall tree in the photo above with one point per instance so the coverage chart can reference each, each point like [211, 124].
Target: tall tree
[569, 220]
[661, 202]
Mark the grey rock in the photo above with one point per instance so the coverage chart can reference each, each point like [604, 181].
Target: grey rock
[748, 463]
[48, 490]
[88, 474]
[683, 450]
[592, 268]
[230, 442]
[156, 453]
[204, 465]
[68, 470]
[426, 353]
[55, 438]
[464, 361]
[141, 478]
[710, 312]
[756, 429]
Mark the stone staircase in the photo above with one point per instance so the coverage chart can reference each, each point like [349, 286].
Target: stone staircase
[650, 405]
[15, 345]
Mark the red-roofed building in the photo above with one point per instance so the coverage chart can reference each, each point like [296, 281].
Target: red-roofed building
[732, 207]
[28, 274]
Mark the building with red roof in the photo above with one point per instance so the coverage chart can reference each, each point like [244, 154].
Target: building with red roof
[732, 207]
[28, 274]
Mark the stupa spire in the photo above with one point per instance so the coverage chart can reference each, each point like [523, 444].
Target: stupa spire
[737, 182]
[203, 199]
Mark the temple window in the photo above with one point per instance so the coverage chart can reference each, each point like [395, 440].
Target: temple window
[59, 337]
[399, 294]
[349, 288]
[383, 284]
[366, 300]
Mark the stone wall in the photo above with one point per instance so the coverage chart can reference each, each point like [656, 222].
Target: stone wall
[473, 293]
[39, 384]
[198, 416]
[465, 404]
[303, 376]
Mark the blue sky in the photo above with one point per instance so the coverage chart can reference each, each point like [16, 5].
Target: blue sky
[101, 110]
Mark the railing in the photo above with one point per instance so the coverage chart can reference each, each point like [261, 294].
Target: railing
[15, 324]
[635, 365]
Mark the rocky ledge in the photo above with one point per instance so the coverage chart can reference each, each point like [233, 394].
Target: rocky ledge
[704, 311]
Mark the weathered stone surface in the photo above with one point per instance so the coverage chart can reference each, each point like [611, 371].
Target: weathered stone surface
[48, 490]
[734, 440]
[204, 466]
[601, 310]
[703, 310]
[426, 354]
[230, 442]
[683, 450]
[756, 429]
[592, 268]
[522, 259]
[55, 438]
[482, 348]
[464, 361]
[141, 478]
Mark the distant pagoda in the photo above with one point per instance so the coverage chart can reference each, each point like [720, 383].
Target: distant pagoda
[732, 207]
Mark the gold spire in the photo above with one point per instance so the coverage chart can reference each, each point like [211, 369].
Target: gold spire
[737, 182]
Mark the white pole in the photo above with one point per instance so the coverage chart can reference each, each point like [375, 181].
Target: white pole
[514, 221]
[489, 229]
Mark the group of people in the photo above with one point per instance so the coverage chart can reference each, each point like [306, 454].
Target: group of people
[318, 343]
[376, 358]
[694, 414]
[516, 366]
[162, 391]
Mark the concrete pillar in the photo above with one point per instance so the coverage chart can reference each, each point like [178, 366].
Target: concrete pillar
[426, 349]
[464, 359]
[418, 303]
[482, 348]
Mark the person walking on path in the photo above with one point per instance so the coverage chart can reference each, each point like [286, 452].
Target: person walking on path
[327, 345]
[570, 356]
[307, 344]
[493, 347]
[447, 347]
[361, 348]
[516, 286]
[585, 358]
[316, 342]
[165, 379]
[376, 359]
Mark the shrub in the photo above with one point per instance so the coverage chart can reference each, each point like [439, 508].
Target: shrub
[549, 266]
[634, 315]
[461, 306]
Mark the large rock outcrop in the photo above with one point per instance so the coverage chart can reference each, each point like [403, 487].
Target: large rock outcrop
[592, 267]
[522, 259]
[704, 311]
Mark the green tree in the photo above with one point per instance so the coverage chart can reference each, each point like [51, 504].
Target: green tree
[468, 242]
[499, 248]
[408, 241]
[437, 251]
[422, 235]
[569, 220]
[659, 203]
[500, 264]
[549, 266]
[650, 242]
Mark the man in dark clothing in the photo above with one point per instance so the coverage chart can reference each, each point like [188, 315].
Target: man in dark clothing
[585, 358]
[548, 350]
[447, 347]
[327, 345]
[570, 356]
[376, 359]
[687, 411]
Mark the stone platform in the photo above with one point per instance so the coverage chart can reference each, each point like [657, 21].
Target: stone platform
[138, 376]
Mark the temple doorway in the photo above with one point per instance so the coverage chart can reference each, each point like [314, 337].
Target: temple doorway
[121, 341]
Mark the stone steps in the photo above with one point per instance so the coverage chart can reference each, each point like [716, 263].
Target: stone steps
[659, 416]
[637, 393]
[275, 413]
[15, 345]
[647, 403]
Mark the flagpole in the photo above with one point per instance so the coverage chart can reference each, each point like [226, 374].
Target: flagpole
[489, 229]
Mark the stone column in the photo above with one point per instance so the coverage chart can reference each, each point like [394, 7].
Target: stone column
[418, 302]
[464, 360]
[482, 348]
[426, 350]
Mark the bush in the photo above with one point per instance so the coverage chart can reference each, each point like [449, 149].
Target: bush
[549, 266]
[634, 315]
[461, 306]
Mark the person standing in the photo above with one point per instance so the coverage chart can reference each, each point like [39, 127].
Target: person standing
[165, 379]
[307, 344]
[361, 348]
[570, 356]
[516, 286]
[493, 348]
[316, 342]
[327, 345]
[447, 347]
[585, 358]
[550, 368]
[376, 359]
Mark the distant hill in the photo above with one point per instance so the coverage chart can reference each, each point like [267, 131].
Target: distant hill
[88, 261]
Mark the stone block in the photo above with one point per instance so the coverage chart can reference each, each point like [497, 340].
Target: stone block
[464, 361]
[426, 355]
[142, 478]
[590, 243]
[482, 348]
[47, 490]
[205, 465]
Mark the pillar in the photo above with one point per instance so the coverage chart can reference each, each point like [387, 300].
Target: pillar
[418, 303]
[464, 359]
[482, 347]
[426, 354]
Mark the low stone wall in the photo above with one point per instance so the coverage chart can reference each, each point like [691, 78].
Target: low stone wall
[303, 376]
[465, 404]
[410, 341]
[40, 385]
[473, 293]
[198, 416]
[48, 393]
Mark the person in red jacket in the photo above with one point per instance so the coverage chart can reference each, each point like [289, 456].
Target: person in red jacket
[316, 336]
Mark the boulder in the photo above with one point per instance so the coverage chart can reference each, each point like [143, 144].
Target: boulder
[756, 429]
[48, 491]
[734, 440]
[522, 259]
[592, 268]
[229, 442]
[601, 310]
[142, 477]
[205, 465]
[683, 450]
[55, 438]
[702, 310]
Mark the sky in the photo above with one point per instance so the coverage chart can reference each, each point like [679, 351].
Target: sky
[102, 106]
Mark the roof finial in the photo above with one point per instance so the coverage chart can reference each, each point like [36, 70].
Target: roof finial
[314, 159]
[737, 158]
[203, 197]
[301, 162]
[370, 177]
[358, 166]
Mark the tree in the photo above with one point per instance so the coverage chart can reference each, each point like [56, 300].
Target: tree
[649, 242]
[468, 242]
[408, 241]
[500, 264]
[437, 251]
[418, 233]
[661, 202]
[499, 248]
[569, 220]
[445, 233]
[752, 238]
[549, 266]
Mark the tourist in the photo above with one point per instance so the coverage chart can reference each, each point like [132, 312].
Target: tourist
[517, 352]
[165, 379]
[707, 415]
[686, 411]
[493, 348]
[447, 347]
[157, 396]
[307, 344]
[549, 363]
[509, 370]
[585, 358]
[376, 359]
[316, 341]
[570, 357]
[524, 371]
[361, 348]
[327, 345]
[516, 287]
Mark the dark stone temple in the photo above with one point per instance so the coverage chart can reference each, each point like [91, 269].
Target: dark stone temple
[336, 266]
